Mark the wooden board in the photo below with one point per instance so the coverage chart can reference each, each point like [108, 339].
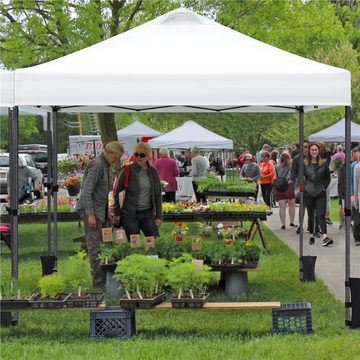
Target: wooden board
[231, 305]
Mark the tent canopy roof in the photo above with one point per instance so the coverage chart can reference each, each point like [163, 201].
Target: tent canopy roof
[182, 62]
[137, 128]
[336, 133]
[191, 134]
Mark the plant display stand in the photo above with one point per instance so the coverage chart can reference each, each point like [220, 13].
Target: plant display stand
[112, 322]
[237, 282]
[113, 287]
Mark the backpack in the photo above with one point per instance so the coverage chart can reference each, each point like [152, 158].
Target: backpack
[280, 183]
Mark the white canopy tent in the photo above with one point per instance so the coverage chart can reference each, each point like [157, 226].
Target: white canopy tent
[137, 129]
[7, 97]
[192, 64]
[336, 133]
[191, 134]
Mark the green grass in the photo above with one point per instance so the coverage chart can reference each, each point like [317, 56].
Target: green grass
[334, 210]
[181, 334]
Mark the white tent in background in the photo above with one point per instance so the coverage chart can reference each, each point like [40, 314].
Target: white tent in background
[132, 134]
[137, 129]
[192, 64]
[191, 134]
[336, 133]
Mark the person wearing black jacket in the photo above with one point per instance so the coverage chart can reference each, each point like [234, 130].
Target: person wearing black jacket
[317, 179]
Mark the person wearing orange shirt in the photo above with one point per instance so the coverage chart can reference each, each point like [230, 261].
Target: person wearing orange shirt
[267, 177]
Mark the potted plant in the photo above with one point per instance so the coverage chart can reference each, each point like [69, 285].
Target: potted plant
[179, 231]
[72, 184]
[76, 271]
[52, 289]
[251, 254]
[143, 279]
[67, 166]
[12, 298]
[188, 282]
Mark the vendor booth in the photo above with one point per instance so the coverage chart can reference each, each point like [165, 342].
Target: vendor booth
[192, 64]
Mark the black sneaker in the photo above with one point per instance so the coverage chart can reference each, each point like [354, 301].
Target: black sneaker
[298, 230]
[327, 241]
[357, 243]
[283, 227]
[312, 240]
[292, 225]
[328, 221]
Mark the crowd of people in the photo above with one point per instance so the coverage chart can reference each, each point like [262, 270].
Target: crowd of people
[137, 190]
[277, 173]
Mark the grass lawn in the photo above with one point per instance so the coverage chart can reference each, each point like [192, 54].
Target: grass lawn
[180, 334]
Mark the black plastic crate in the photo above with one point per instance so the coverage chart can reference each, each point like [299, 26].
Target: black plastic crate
[112, 322]
[292, 318]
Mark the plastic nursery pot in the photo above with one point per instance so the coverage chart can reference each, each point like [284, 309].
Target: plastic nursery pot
[48, 264]
[73, 190]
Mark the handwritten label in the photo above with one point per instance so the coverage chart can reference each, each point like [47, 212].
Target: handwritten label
[149, 242]
[135, 241]
[107, 234]
[120, 236]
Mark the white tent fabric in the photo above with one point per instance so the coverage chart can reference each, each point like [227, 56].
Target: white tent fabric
[7, 97]
[6, 88]
[182, 62]
[137, 129]
[336, 133]
[191, 134]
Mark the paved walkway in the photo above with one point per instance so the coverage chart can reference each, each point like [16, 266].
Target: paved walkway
[330, 262]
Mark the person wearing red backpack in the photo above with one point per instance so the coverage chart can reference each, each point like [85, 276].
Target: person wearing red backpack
[142, 205]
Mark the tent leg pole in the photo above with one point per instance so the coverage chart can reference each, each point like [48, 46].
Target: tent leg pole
[347, 212]
[55, 178]
[14, 190]
[49, 181]
[301, 189]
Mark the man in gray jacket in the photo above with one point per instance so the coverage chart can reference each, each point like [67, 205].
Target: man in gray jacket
[92, 205]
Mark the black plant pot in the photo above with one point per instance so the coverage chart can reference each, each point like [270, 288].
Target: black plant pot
[48, 264]
[355, 302]
[308, 265]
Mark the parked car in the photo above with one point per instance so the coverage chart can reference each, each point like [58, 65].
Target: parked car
[24, 160]
[38, 153]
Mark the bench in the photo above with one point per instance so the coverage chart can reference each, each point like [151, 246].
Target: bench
[230, 305]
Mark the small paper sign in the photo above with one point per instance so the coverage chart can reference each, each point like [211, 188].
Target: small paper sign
[120, 236]
[107, 234]
[149, 242]
[135, 240]
[198, 263]
[196, 244]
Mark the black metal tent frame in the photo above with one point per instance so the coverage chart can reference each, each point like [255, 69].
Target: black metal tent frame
[53, 179]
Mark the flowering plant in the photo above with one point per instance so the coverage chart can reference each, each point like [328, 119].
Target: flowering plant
[180, 229]
[72, 181]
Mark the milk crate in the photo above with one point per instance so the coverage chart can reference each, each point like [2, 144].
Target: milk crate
[292, 318]
[112, 322]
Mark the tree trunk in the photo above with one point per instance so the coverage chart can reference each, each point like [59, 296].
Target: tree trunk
[107, 127]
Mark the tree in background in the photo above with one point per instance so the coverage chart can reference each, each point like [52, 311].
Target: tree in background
[35, 31]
